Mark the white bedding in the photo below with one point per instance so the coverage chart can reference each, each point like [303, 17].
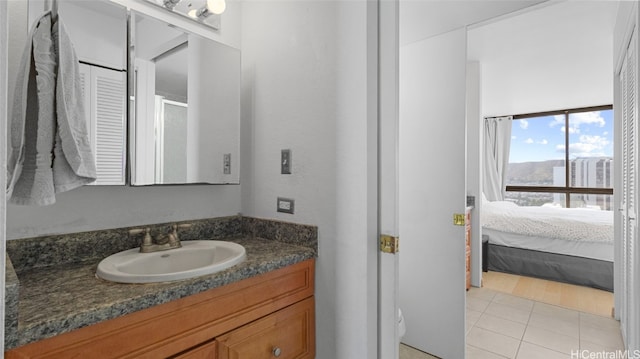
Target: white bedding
[572, 224]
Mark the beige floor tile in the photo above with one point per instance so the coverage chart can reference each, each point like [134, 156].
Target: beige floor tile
[477, 353]
[407, 352]
[556, 311]
[477, 304]
[472, 318]
[493, 342]
[501, 326]
[607, 337]
[550, 340]
[598, 348]
[482, 293]
[532, 351]
[508, 312]
[513, 301]
[570, 327]
[598, 321]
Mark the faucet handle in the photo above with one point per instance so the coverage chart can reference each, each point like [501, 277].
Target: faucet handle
[135, 231]
[147, 240]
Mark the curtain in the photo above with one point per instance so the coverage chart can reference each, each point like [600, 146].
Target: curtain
[497, 140]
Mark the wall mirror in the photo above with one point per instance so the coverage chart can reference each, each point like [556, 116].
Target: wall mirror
[98, 31]
[185, 106]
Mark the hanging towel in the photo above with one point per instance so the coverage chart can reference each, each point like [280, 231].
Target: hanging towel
[50, 150]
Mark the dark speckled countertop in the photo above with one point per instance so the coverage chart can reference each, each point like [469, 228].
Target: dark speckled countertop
[57, 299]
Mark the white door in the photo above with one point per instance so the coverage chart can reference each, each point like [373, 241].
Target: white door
[432, 190]
[388, 177]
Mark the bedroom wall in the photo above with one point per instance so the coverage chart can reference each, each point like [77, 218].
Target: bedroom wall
[556, 56]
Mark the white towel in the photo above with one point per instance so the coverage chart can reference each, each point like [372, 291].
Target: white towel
[50, 149]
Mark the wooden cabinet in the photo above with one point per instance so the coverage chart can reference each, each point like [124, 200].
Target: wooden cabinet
[205, 351]
[468, 247]
[273, 309]
[286, 334]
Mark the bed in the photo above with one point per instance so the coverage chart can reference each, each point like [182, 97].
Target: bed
[571, 245]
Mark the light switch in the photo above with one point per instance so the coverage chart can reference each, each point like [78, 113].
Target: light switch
[285, 162]
[227, 164]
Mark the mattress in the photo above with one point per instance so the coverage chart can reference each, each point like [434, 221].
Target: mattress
[574, 224]
[594, 250]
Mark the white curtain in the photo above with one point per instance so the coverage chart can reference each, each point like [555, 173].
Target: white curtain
[497, 140]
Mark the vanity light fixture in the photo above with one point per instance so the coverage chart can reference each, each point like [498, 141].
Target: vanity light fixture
[200, 13]
[170, 4]
[205, 12]
[216, 6]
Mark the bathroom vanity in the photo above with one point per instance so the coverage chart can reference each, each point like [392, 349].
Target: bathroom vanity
[266, 316]
[260, 308]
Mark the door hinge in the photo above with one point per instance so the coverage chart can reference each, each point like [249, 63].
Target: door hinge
[389, 244]
[458, 219]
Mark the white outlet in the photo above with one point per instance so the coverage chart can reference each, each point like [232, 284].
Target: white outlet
[285, 205]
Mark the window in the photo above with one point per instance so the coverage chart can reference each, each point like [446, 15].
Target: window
[543, 144]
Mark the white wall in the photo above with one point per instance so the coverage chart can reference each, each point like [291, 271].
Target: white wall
[305, 88]
[91, 208]
[554, 57]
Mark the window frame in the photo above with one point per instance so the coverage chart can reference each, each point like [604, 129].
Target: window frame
[567, 190]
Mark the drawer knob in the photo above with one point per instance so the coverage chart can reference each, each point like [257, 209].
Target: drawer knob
[276, 352]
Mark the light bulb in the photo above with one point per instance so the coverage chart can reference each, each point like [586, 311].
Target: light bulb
[216, 6]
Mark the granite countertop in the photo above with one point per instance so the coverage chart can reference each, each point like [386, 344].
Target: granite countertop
[57, 299]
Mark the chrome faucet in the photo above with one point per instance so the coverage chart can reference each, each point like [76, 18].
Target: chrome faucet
[163, 241]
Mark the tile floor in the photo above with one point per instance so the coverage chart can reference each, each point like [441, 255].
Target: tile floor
[501, 325]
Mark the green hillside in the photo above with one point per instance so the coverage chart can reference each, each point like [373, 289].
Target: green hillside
[540, 173]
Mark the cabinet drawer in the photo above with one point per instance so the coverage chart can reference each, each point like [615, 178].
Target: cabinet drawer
[205, 351]
[286, 334]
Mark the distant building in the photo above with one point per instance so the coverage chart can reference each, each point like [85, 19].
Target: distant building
[593, 172]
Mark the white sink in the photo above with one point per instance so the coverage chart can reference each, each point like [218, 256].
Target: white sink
[193, 259]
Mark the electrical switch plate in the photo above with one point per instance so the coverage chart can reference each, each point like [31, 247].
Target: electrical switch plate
[285, 205]
[227, 164]
[285, 162]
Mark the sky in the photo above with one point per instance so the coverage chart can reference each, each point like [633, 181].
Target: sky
[542, 138]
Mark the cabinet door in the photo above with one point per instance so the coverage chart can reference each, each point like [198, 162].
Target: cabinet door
[286, 334]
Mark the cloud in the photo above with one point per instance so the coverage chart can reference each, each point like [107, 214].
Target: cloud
[588, 146]
[542, 142]
[578, 119]
[524, 124]
[529, 141]
[572, 130]
[514, 137]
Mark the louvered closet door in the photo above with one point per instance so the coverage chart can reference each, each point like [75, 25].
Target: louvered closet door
[108, 110]
[104, 94]
[629, 316]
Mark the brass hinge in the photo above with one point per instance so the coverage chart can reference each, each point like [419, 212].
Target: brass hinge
[458, 219]
[389, 244]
